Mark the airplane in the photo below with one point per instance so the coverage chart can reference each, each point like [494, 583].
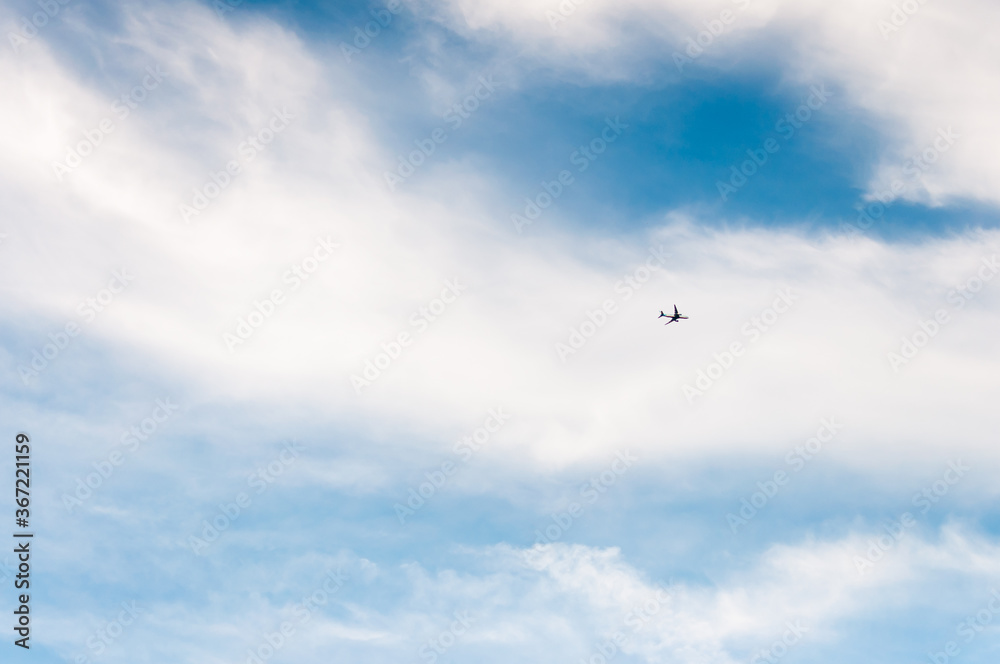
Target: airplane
[673, 319]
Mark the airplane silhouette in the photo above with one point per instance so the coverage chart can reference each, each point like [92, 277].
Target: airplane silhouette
[673, 319]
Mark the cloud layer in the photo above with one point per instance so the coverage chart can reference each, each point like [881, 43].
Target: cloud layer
[198, 213]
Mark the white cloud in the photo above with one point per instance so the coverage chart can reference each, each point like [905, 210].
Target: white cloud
[569, 599]
[496, 344]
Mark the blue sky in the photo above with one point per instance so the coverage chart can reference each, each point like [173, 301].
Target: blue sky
[452, 418]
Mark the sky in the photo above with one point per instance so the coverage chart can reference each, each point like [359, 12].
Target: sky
[334, 329]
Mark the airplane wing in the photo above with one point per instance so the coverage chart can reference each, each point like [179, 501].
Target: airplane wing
[675, 309]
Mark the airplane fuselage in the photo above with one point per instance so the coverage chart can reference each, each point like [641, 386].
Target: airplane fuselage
[672, 319]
